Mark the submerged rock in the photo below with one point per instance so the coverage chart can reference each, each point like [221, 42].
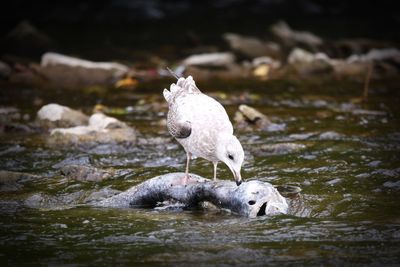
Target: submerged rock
[85, 173]
[55, 115]
[279, 149]
[100, 130]
[13, 181]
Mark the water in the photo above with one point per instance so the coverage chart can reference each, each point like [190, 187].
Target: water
[346, 161]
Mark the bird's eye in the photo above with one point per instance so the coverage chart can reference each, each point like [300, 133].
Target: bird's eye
[230, 156]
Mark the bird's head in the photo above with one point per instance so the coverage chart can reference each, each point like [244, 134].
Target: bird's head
[230, 151]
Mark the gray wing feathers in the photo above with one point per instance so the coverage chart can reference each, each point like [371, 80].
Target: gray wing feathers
[179, 129]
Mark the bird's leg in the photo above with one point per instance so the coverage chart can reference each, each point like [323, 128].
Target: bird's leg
[215, 170]
[186, 177]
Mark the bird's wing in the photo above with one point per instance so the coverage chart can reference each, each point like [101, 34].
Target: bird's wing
[177, 125]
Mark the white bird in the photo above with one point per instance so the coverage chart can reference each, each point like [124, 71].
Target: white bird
[200, 124]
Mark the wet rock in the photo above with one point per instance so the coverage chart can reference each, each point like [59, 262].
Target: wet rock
[279, 149]
[301, 136]
[330, 135]
[55, 115]
[251, 198]
[210, 60]
[100, 130]
[13, 181]
[63, 201]
[252, 47]
[247, 116]
[76, 72]
[85, 173]
[392, 185]
[5, 70]
[291, 37]
[101, 195]
[78, 160]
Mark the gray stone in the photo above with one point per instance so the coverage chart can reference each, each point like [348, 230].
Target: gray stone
[85, 173]
[55, 115]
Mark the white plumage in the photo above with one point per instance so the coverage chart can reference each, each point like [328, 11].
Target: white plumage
[201, 125]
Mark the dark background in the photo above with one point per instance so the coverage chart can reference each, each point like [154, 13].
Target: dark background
[146, 24]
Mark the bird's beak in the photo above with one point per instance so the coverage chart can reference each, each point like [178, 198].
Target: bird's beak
[238, 177]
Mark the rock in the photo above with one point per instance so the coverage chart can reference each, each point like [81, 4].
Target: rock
[8, 114]
[252, 47]
[347, 47]
[63, 201]
[100, 130]
[279, 149]
[5, 70]
[291, 37]
[55, 115]
[262, 66]
[250, 116]
[26, 39]
[101, 195]
[251, 198]
[13, 181]
[85, 173]
[330, 135]
[210, 60]
[76, 72]
[306, 63]
[391, 54]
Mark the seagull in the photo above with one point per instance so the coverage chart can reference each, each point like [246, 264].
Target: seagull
[202, 126]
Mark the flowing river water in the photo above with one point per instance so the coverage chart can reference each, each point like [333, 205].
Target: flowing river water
[344, 158]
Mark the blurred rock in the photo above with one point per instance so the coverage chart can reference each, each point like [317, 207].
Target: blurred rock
[292, 38]
[13, 181]
[347, 47]
[76, 72]
[5, 70]
[100, 130]
[387, 54]
[8, 114]
[263, 66]
[306, 63]
[55, 115]
[26, 39]
[85, 173]
[252, 47]
[210, 60]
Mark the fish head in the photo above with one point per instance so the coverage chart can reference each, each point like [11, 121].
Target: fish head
[230, 151]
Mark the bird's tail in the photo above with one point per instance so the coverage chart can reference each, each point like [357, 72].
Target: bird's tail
[182, 86]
